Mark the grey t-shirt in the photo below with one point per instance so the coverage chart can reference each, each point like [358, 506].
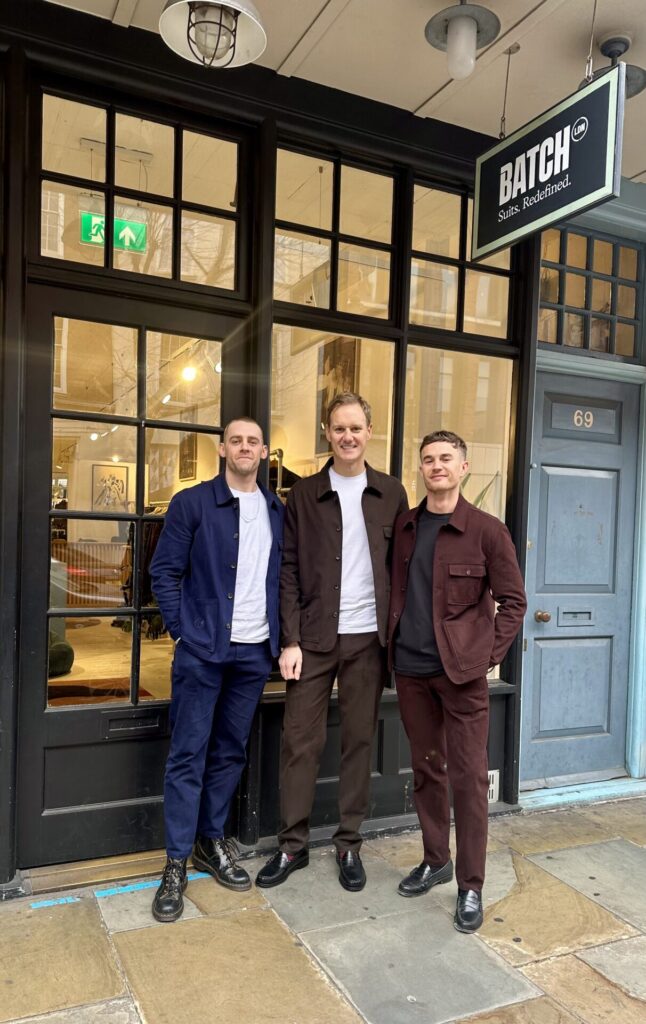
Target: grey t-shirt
[416, 652]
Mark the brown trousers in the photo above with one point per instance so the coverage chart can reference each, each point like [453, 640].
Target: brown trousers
[358, 663]
[448, 726]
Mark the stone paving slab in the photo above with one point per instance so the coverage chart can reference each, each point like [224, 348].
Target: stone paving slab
[625, 818]
[130, 906]
[245, 968]
[117, 1011]
[622, 963]
[405, 851]
[585, 992]
[537, 1011]
[313, 898]
[54, 957]
[415, 967]
[212, 898]
[612, 874]
[549, 830]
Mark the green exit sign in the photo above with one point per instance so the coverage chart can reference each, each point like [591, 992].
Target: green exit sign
[128, 234]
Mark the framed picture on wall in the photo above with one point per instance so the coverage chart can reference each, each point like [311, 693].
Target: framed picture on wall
[337, 372]
[109, 488]
[188, 447]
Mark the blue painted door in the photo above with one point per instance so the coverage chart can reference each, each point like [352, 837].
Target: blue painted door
[579, 581]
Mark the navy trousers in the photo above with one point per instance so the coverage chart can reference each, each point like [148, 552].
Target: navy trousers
[211, 712]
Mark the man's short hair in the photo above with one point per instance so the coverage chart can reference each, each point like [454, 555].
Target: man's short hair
[349, 398]
[242, 419]
[449, 437]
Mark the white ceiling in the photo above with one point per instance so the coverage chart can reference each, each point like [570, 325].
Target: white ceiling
[377, 49]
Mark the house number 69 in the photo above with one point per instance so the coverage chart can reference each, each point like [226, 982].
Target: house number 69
[583, 419]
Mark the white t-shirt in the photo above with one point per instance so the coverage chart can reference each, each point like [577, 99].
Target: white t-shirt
[249, 624]
[357, 613]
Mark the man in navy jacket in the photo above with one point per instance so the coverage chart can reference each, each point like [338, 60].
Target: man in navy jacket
[215, 575]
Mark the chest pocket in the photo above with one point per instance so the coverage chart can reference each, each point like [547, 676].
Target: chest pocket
[466, 583]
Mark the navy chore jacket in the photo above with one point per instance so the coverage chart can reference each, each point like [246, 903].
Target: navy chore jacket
[194, 567]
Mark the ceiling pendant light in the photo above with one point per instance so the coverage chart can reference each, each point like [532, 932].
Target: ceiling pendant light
[217, 35]
[461, 31]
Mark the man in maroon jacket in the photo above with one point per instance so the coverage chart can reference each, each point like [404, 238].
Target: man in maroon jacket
[451, 564]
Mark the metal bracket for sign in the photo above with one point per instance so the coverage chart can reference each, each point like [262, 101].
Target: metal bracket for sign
[522, 187]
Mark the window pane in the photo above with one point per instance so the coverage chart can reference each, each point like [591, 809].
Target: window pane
[89, 660]
[364, 281]
[436, 222]
[72, 224]
[73, 138]
[577, 251]
[628, 263]
[433, 294]
[625, 340]
[601, 295]
[486, 303]
[95, 367]
[183, 378]
[575, 290]
[550, 280]
[143, 238]
[499, 259]
[599, 335]
[470, 395]
[155, 660]
[91, 563]
[304, 189]
[625, 301]
[602, 263]
[548, 326]
[573, 334]
[144, 155]
[208, 250]
[98, 461]
[302, 269]
[176, 459]
[210, 171]
[366, 204]
[551, 245]
[308, 369]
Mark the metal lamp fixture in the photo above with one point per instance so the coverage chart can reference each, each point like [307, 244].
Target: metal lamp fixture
[217, 35]
[614, 47]
[461, 31]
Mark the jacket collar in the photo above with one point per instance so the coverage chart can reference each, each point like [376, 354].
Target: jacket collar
[324, 487]
[458, 520]
[223, 495]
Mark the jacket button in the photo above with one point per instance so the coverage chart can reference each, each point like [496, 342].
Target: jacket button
[336, 586]
[228, 625]
[338, 529]
[235, 536]
[199, 623]
[403, 590]
[395, 615]
[230, 596]
[337, 558]
[335, 615]
[405, 561]
[233, 565]
[468, 572]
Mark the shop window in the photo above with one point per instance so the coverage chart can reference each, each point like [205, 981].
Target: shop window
[470, 395]
[146, 437]
[590, 293]
[149, 202]
[314, 245]
[308, 369]
[446, 292]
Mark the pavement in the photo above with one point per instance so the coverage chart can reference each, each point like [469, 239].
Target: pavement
[563, 941]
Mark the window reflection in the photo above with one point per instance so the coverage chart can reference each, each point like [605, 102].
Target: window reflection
[433, 294]
[308, 369]
[74, 137]
[88, 660]
[183, 378]
[302, 268]
[144, 155]
[143, 237]
[304, 189]
[366, 204]
[93, 466]
[210, 171]
[208, 250]
[176, 459]
[436, 222]
[91, 563]
[95, 367]
[72, 223]
[364, 281]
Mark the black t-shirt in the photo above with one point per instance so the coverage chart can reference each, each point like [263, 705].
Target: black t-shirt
[416, 652]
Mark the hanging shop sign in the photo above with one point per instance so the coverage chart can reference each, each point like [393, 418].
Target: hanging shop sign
[128, 234]
[565, 161]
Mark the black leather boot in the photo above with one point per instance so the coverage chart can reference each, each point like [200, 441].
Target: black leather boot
[168, 904]
[217, 856]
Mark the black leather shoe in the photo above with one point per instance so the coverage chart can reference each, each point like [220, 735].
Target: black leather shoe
[468, 911]
[351, 872]
[217, 856]
[280, 866]
[424, 877]
[168, 904]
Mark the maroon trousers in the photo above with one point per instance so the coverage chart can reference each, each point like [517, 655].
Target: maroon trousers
[447, 726]
[358, 663]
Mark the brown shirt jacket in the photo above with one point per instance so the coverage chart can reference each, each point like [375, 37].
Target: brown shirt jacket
[474, 566]
[310, 580]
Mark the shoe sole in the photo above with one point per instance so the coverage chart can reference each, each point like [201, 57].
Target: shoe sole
[422, 892]
[203, 866]
[466, 930]
[168, 918]
[270, 883]
[352, 888]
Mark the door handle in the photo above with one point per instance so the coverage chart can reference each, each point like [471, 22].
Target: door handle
[542, 616]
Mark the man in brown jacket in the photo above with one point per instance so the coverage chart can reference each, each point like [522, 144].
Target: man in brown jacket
[451, 564]
[335, 584]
